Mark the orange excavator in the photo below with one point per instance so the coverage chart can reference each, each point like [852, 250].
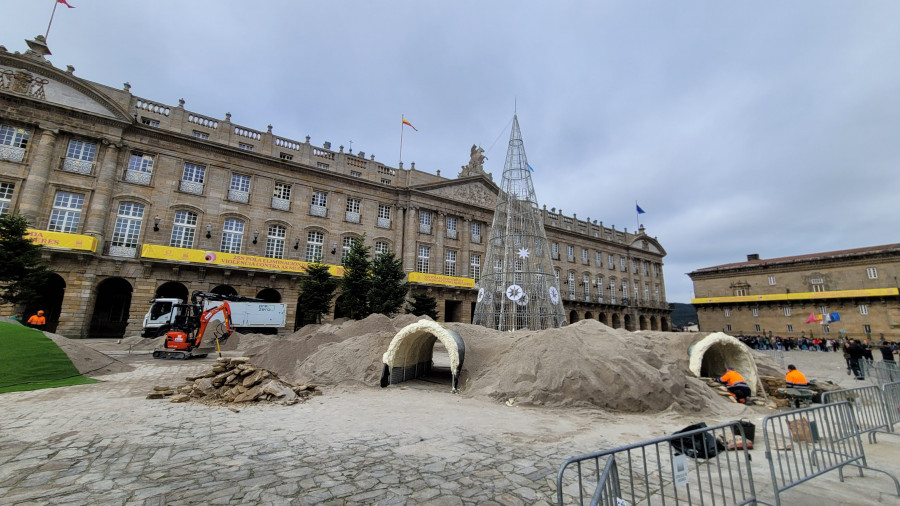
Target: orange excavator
[186, 339]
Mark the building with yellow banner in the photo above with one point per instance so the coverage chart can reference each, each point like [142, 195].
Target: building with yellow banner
[838, 294]
[136, 199]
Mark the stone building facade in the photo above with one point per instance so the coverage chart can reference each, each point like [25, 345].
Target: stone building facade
[135, 199]
[777, 297]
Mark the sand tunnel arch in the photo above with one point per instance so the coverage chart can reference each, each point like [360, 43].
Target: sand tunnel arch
[409, 354]
[713, 353]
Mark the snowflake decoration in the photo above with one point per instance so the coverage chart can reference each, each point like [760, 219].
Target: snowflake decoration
[523, 301]
[554, 295]
[514, 292]
[523, 253]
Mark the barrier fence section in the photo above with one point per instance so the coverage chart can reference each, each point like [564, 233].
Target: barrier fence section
[809, 442]
[691, 467]
[892, 402]
[880, 373]
[868, 408]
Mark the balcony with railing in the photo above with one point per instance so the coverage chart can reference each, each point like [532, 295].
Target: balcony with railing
[351, 217]
[451, 234]
[239, 196]
[12, 154]
[425, 228]
[137, 176]
[315, 210]
[281, 204]
[383, 223]
[476, 238]
[191, 187]
[119, 250]
[77, 166]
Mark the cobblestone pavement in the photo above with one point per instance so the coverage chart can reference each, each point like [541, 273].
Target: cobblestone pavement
[106, 444]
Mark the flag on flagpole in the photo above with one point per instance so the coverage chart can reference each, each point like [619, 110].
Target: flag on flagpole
[638, 209]
[407, 123]
[64, 2]
[835, 317]
[812, 318]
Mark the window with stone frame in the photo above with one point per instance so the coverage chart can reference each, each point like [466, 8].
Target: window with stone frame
[353, 205]
[140, 168]
[6, 193]
[451, 227]
[13, 137]
[275, 237]
[423, 259]
[381, 248]
[450, 263]
[475, 266]
[81, 150]
[184, 229]
[314, 242]
[127, 229]
[346, 246]
[232, 236]
[66, 213]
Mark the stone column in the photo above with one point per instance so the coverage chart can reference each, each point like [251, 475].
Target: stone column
[411, 237]
[34, 188]
[99, 210]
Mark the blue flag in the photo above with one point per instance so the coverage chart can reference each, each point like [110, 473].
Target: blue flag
[835, 317]
[639, 210]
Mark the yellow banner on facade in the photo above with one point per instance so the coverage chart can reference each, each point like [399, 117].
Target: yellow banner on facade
[439, 279]
[196, 256]
[62, 240]
[834, 294]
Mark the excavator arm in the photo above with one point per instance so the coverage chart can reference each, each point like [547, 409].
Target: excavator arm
[206, 317]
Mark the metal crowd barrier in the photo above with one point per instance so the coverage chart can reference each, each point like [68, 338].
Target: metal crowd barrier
[880, 373]
[660, 471]
[868, 407]
[892, 402]
[806, 443]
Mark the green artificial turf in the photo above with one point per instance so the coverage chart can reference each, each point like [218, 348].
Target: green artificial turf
[29, 360]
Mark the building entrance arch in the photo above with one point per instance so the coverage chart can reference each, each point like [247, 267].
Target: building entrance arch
[49, 301]
[573, 316]
[615, 321]
[642, 322]
[225, 290]
[269, 295]
[111, 308]
[172, 290]
[410, 354]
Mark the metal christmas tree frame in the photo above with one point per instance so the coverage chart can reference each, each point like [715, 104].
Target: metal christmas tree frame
[518, 288]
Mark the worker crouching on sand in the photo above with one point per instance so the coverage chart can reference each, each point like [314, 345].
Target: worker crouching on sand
[795, 378]
[736, 384]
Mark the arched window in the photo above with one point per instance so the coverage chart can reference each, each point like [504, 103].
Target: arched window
[232, 235]
[275, 241]
[184, 229]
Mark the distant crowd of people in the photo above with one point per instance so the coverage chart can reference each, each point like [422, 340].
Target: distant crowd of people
[854, 350]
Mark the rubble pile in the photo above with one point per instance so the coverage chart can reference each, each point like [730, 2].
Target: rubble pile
[236, 380]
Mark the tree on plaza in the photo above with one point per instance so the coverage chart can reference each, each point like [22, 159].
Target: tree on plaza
[357, 280]
[22, 270]
[388, 291]
[423, 304]
[316, 291]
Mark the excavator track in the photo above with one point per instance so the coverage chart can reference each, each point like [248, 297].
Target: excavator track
[172, 354]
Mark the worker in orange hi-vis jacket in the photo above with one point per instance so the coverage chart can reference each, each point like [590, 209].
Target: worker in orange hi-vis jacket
[736, 384]
[795, 378]
[37, 321]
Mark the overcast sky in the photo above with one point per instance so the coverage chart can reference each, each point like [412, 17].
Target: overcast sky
[739, 127]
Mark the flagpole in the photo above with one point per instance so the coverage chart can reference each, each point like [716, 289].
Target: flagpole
[637, 216]
[55, 3]
[400, 165]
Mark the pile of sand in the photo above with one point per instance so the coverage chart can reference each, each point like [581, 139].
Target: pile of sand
[586, 364]
[87, 360]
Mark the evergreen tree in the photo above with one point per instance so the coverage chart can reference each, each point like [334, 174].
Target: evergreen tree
[388, 292]
[22, 270]
[357, 281]
[316, 291]
[423, 304]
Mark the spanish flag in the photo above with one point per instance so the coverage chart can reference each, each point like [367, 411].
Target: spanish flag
[405, 122]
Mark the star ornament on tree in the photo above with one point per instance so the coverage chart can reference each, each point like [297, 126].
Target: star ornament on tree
[523, 253]
[514, 292]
